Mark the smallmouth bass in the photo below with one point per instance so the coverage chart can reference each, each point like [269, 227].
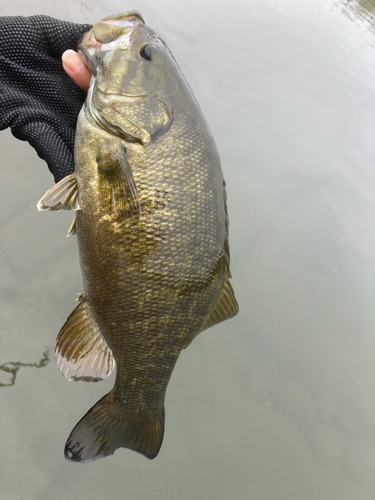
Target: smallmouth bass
[152, 228]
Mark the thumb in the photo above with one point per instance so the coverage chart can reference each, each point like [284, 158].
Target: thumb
[76, 69]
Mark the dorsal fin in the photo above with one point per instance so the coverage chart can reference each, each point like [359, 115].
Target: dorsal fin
[224, 307]
[81, 351]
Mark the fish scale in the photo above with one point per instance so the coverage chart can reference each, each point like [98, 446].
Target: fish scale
[152, 229]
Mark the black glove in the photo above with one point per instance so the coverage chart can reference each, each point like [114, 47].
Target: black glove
[38, 101]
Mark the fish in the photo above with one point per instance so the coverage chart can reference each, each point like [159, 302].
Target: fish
[151, 221]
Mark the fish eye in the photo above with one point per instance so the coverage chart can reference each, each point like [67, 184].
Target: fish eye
[149, 51]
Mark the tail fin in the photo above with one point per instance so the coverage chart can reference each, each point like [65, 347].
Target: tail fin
[109, 425]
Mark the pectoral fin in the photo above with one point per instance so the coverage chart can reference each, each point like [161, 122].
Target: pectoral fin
[81, 351]
[61, 196]
[117, 183]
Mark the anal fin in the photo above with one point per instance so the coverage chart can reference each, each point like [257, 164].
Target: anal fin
[81, 350]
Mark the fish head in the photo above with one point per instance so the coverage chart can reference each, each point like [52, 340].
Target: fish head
[111, 33]
[136, 80]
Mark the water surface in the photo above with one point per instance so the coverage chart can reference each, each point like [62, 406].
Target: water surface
[278, 403]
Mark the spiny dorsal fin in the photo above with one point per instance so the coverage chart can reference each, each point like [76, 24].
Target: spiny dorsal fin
[117, 183]
[61, 196]
[81, 351]
[225, 305]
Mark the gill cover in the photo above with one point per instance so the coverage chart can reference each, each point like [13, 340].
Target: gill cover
[127, 95]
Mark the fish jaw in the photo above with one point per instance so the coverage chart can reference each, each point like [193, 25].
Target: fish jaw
[111, 33]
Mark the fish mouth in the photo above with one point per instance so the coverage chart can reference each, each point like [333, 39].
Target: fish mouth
[120, 17]
[120, 97]
[111, 33]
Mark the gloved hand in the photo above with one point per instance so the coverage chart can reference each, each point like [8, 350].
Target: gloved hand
[38, 101]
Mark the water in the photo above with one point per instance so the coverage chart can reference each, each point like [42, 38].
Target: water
[278, 403]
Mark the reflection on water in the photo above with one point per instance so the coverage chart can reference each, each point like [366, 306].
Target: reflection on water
[330, 426]
[359, 10]
[365, 9]
[11, 368]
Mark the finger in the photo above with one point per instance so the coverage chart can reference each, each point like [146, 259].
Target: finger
[76, 69]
